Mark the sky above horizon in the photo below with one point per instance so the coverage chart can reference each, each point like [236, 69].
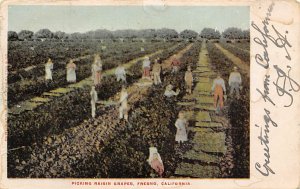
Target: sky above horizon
[86, 18]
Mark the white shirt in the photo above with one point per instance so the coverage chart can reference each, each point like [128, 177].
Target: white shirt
[94, 96]
[219, 81]
[49, 66]
[170, 93]
[96, 68]
[48, 69]
[120, 70]
[235, 77]
[146, 63]
[180, 123]
[152, 151]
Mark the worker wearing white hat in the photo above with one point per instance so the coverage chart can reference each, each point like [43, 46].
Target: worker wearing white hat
[48, 70]
[71, 73]
[235, 81]
[188, 78]
[94, 99]
[123, 109]
[169, 91]
[155, 161]
[120, 73]
[156, 69]
[146, 67]
[181, 126]
[175, 64]
[97, 69]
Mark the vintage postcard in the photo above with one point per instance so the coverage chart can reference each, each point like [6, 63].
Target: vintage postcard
[150, 94]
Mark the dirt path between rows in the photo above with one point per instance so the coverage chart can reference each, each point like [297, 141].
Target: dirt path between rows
[245, 50]
[203, 158]
[243, 66]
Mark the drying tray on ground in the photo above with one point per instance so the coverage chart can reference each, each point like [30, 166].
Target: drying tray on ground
[205, 107]
[62, 90]
[203, 87]
[185, 103]
[209, 142]
[24, 106]
[40, 99]
[196, 170]
[209, 124]
[201, 156]
[204, 99]
[202, 116]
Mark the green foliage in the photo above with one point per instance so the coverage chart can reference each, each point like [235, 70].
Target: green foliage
[210, 33]
[242, 54]
[236, 33]
[44, 33]
[12, 36]
[25, 35]
[188, 34]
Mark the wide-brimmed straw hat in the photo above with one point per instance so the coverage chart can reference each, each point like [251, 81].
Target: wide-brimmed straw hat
[181, 114]
[169, 87]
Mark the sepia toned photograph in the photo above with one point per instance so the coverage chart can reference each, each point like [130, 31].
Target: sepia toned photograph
[128, 91]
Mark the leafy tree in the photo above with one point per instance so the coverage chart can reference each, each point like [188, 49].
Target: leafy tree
[166, 33]
[210, 33]
[12, 36]
[129, 34]
[25, 34]
[146, 33]
[103, 34]
[233, 33]
[60, 35]
[188, 34]
[44, 33]
[75, 36]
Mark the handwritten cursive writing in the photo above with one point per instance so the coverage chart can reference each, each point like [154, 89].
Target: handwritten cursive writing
[279, 41]
[266, 92]
[264, 140]
[264, 61]
[263, 43]
[284, 84]
[281, 90]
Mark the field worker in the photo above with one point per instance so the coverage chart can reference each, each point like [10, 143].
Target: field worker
[96, 70]
[94, 99]
[155, 161]
[169, 91]
[48, 70]
[156, 69]
[218, 90]
[146, 67]
[175, 64]
[120, 73]
[188, 78]
[123, 109]
[71, 73]
[235, 82]
[181, 126]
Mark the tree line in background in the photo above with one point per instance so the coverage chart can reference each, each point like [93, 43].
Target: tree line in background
[164, 33]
